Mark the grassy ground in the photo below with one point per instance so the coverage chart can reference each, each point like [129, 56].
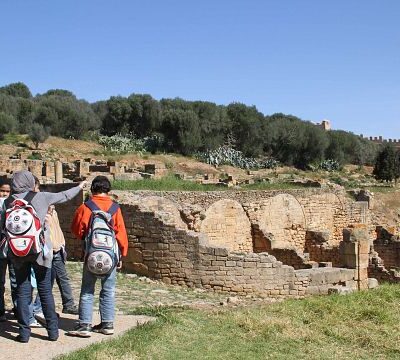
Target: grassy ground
[13, 139]
[171, 183]
[363, 325]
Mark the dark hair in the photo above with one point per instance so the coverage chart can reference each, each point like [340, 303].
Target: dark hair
[5, 181]
[100, 185]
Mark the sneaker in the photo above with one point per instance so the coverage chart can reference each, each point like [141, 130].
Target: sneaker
[40, 317]
[73, 310]
[81, 330]
[106, 328]
[35, 324]
[21, 339]
[3, 318]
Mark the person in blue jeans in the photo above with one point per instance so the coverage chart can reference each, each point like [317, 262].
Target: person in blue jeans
[23, 185]
[60, 275]
[58, 270]
[80, 227]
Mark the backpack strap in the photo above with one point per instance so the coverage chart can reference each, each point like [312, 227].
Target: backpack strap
[113, 209]
[92, 205]
[29, 196]
[7, 202]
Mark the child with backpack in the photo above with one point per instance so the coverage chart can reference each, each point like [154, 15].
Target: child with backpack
[100, 224]
[29, 247]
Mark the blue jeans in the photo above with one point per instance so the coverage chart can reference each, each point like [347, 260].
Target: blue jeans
[107, 296]
[3, 268]
[24, 298]
[60, 275]
[13, 285]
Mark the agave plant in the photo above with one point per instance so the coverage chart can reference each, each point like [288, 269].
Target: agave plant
[225, 155]
[329, 165]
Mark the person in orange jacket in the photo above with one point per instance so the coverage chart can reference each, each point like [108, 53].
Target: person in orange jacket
[100, 188]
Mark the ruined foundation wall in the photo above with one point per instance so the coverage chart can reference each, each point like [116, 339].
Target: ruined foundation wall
[162, 247]
[160, 250]
[286, 215]
[389, 252]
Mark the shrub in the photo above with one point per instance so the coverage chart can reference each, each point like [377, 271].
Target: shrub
[122, 144]
[7, 124]
[38, 134]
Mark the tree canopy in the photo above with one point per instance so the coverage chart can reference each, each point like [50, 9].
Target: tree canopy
[186, 127]
[387, 165]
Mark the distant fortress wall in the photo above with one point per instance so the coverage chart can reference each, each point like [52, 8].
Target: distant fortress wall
[381, 140]
[326, 125]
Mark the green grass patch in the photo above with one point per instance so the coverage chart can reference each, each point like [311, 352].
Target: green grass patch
[172, 183]
[14, 139]
[167, 183]
[364, 325]
[382, 189]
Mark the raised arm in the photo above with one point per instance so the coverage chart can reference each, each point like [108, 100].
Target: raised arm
[62, 196]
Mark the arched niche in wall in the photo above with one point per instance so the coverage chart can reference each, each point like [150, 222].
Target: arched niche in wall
[283, 217]
[227, 225]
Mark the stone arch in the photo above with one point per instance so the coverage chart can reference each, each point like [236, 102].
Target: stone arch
[163, 208]
[282, 217]
[227, 225]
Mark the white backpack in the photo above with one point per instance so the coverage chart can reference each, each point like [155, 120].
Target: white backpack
[101, 246]
[23, 231]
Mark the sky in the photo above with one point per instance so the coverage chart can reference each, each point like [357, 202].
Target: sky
[336, 60]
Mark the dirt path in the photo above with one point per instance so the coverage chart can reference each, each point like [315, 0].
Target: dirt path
[132, 293]
[40, 348]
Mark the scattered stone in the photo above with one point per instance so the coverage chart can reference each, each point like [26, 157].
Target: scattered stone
[372, 283]
[131, 276]
[341, 290]
[233, 300]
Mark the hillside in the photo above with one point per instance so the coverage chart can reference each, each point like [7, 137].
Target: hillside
[387, 199]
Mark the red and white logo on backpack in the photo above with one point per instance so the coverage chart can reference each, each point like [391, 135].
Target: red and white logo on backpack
[23, 230]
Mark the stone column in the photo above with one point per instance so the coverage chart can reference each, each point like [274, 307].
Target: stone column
[58, 172]
[354, 253]
[82, 168]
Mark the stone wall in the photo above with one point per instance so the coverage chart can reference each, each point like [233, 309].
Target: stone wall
[378, 270]
[227, 225]
[158, 249]
[279, 219]
[282, 217]
[181, 244]
[387, 246]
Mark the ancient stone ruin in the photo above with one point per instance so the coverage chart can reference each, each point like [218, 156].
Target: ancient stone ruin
[263, 243]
